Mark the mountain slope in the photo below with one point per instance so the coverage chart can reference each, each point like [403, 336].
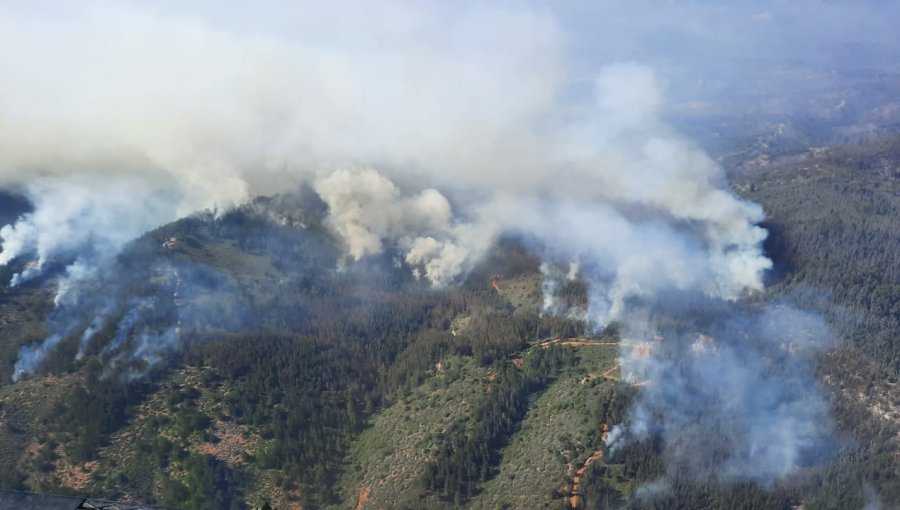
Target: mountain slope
[262, 367]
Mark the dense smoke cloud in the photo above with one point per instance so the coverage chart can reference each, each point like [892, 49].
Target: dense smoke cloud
[214, 115]
[619, 191]
[733, 394]
[85, 218]
[427, 131]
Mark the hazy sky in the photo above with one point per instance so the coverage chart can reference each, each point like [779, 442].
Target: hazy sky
[695, 45]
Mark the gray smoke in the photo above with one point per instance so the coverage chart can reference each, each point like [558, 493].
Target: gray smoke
[30, 356]
[83, 218]
[98, 323]
[733, 394]
[555, 276]
[620, 193]
[429, 131]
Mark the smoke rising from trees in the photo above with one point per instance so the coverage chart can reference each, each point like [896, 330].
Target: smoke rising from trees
[430, 139]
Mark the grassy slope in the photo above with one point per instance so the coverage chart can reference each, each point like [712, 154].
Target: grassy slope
[23, 404]
[561, 430]
[522, 291]
[388, 459]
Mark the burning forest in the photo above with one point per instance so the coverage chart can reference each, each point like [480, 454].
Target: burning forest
[272, 228]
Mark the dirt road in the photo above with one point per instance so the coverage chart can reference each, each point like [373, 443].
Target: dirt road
[579, 474]
[576, 342]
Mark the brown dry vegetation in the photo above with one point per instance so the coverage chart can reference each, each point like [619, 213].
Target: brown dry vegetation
[522, 291]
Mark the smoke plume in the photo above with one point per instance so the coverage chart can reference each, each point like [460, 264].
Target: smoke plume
[733, 394]
[428, 132]
[85, 219]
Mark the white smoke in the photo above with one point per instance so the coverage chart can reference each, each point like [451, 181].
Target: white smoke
[477, 109]
[739, 401]
[428, 131]
[150, 349]
[367, 208]
[613, 436]
[629, 248]
[232, 111]
[98, 323]
[182, 113]
[620, 193]
[553, 277]
[872, 499]
[84, 217]
[30, 356]
[651, 489]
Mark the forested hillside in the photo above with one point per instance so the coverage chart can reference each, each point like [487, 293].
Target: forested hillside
[288, 355]
[834, 223]
[297, 378]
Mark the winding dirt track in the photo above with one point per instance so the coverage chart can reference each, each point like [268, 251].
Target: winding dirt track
[363, 498]
[576, 342]
[596, 455]
[609, 373]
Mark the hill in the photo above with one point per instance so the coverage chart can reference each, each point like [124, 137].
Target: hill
[258, 366]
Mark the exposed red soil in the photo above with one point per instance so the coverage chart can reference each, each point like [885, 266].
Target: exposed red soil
[596, 455]
[77, 477]
[230, 448]
[363, 498]
[576, 342]
[609, 374]
[295, 497]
